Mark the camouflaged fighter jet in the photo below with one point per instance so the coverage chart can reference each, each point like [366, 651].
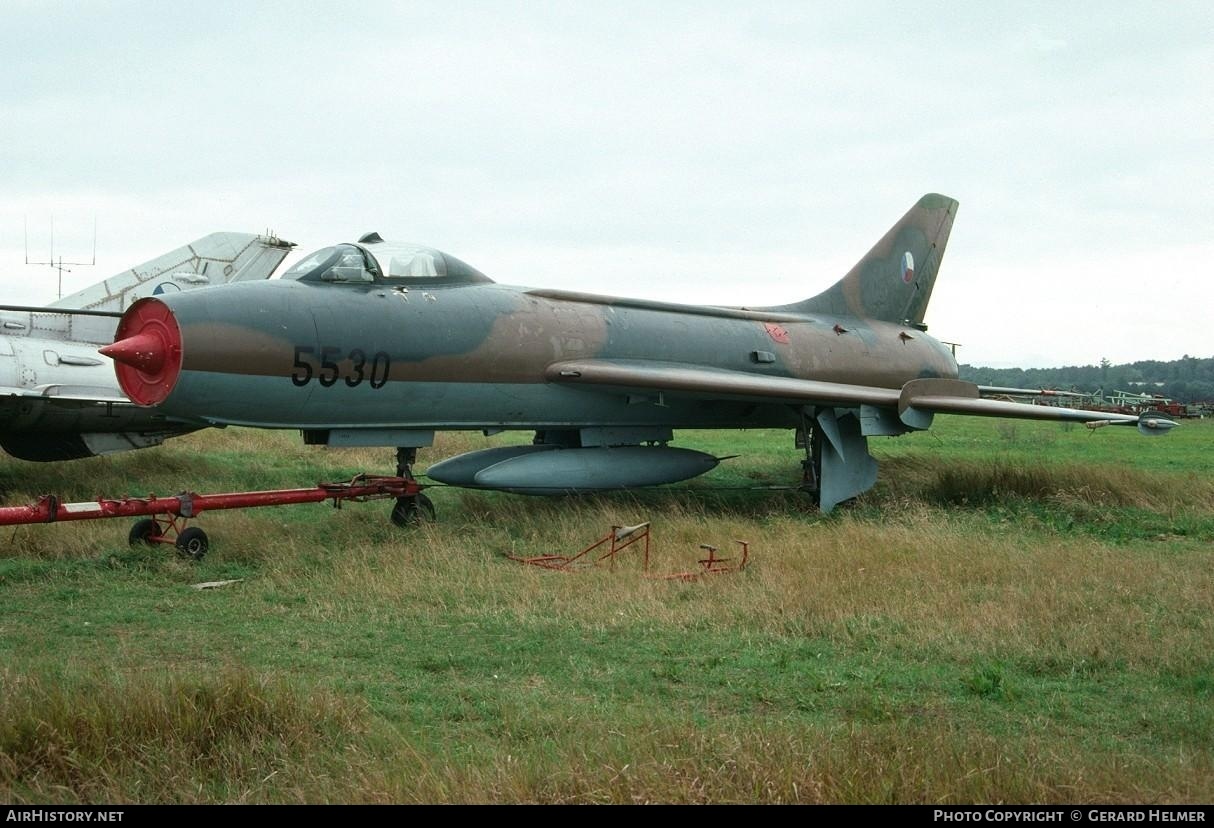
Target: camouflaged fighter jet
[58, 399]
[378, 343]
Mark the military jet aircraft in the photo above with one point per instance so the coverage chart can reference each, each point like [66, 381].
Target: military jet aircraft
[378, 343]
[59, 399]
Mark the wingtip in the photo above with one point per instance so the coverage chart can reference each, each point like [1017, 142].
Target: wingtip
[1154, 426]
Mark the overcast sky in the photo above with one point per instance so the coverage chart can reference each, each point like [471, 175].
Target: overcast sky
[692, 152]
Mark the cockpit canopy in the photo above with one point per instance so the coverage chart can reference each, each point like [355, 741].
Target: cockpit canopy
[376, 261]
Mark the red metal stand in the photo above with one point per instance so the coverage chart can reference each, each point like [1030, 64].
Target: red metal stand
[712, 565]
[620, 537]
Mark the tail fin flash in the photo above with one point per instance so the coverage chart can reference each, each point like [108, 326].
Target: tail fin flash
[893, 283]
[212, 260]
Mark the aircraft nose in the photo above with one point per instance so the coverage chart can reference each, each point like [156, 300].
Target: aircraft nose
[146, 352]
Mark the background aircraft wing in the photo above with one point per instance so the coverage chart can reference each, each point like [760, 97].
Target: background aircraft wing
[915, 402]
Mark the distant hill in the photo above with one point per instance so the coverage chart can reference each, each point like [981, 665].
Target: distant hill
[1188, 379]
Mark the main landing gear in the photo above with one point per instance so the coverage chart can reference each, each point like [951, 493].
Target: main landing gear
[809, 438]
[411, 509]
[837, 465]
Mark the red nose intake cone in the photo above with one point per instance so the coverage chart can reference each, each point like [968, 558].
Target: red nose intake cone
[146, 352]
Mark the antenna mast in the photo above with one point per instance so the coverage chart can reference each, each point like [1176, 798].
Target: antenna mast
[58, 264]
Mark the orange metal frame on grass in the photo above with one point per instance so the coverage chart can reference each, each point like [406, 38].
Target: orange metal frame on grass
[712, 565]
[622, 537]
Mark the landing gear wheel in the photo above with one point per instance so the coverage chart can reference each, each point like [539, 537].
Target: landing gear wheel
[143, 531]
[413, 511]
[192, 543]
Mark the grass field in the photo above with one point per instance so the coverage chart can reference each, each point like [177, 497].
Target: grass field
[1018, 612]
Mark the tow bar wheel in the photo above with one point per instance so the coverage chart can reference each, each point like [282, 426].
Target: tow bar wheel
[192, 543]
[144, 533]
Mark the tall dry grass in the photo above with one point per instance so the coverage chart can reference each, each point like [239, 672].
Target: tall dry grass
[944, 640]
[919, 577]
[143, 737]
[917, 763]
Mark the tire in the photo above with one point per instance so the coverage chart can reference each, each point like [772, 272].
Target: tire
[143, 531]
[413, 511]
[192, 543]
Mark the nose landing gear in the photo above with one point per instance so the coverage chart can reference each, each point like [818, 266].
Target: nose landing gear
[411, 509]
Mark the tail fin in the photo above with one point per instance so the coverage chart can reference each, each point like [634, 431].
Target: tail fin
[894, 281]
[212, 260]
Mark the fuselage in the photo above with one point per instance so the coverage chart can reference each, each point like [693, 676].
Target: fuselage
[318, 355]
[382, 344]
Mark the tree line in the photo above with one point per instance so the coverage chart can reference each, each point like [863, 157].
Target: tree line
[1188, 379]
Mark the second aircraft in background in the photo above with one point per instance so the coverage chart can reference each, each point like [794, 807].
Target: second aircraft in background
[59, 399]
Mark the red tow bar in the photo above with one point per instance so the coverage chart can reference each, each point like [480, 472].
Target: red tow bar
[175, 511]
